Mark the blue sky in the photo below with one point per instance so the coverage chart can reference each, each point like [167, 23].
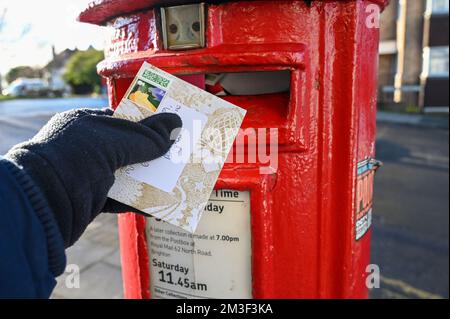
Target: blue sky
[31, 27]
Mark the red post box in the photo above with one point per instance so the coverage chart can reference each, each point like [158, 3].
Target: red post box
[308, 216]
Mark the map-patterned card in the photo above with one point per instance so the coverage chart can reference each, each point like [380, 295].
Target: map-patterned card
[177, 186]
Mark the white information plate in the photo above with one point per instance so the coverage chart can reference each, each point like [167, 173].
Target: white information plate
[213, 262]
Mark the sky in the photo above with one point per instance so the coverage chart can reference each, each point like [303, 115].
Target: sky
[31, 27]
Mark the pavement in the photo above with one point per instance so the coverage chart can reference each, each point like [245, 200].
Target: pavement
[410, 227]
[97, 258]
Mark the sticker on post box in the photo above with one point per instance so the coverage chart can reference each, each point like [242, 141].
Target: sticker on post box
[176, 187]
[364, 196]
[212, 262]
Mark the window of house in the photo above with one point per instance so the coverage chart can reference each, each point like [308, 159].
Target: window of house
[437, 6]
[436, 61]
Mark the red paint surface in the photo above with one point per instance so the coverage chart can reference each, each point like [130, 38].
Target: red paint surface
[195, 79]
[100, 11]
[303, 215]
[133, 256]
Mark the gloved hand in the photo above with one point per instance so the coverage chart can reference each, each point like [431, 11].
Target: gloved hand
[74, 156]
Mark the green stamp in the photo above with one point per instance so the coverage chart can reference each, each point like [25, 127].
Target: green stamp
[156, 78]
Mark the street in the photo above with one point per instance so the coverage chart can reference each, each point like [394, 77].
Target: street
[411, 209]
[20, 119]
[410, 226]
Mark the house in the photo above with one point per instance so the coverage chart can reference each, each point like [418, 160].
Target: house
[54, 71]
[414, 55]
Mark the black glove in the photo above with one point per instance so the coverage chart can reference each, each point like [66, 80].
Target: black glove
[74, 156]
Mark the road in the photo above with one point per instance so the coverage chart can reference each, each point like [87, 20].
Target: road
[21, 119]
[411, 218]
[411, 212]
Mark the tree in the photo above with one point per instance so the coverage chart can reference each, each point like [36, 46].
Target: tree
[22, 72]
[81, 71]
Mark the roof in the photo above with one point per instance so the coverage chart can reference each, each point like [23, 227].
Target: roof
[60, 59]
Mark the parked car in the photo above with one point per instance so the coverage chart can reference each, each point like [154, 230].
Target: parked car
[23, 87]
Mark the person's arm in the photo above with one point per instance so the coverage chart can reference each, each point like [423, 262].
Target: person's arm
[54, 185]
[31, 246]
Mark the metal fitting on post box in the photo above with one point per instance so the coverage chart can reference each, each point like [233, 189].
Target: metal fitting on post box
[183, 27]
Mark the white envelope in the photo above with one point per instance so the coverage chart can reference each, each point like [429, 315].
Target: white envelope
[177, 186]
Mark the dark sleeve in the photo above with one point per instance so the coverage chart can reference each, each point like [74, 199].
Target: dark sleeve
[31, 247]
